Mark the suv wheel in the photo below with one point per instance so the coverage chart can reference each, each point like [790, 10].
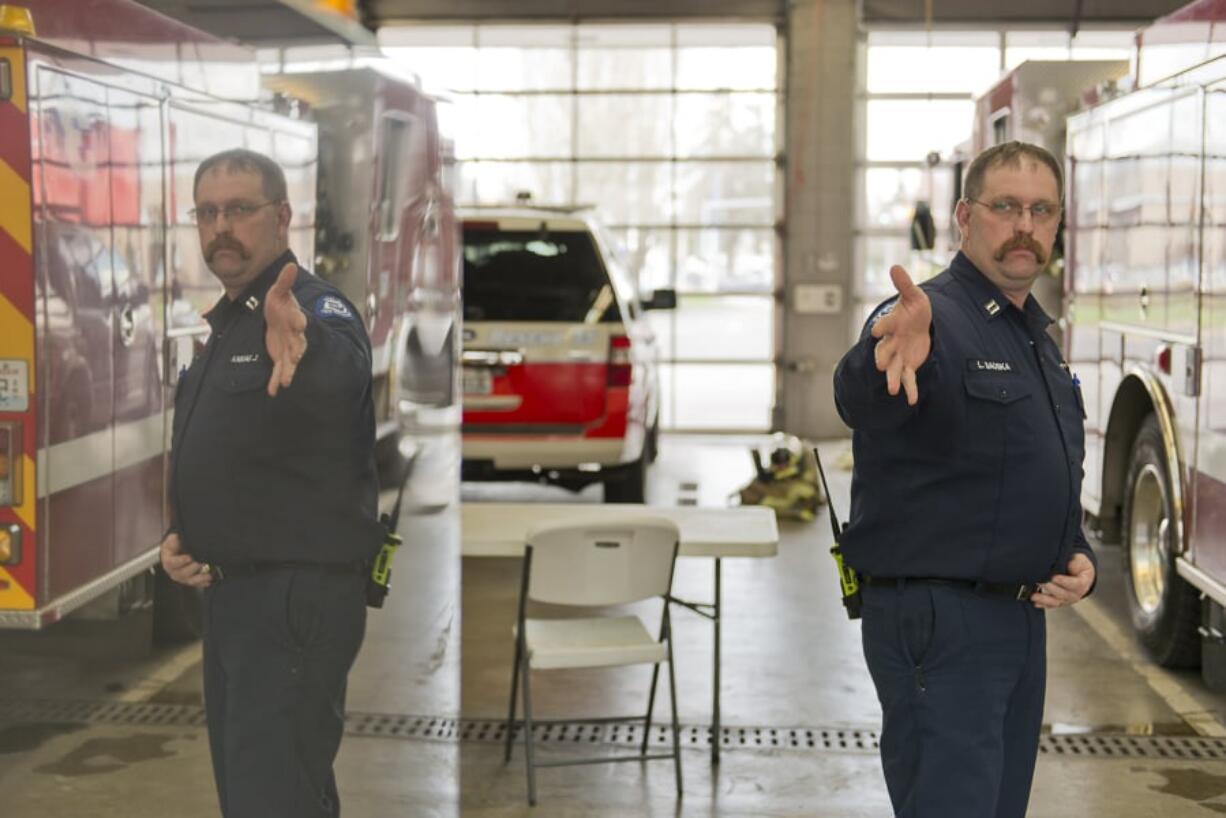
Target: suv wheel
[651, 449]
[628, 484]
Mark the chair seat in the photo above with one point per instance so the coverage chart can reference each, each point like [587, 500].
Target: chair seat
[598, 642]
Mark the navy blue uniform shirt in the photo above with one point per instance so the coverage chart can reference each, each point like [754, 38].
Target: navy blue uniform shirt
[287, 478]
[981, 479]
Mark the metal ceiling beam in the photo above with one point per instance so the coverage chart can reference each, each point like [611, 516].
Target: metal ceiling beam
[980, 13]
[1062, 13]
[298, 22]
[267, 22]
[383, 12]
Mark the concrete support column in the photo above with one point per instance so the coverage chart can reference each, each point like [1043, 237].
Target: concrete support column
[819, 205]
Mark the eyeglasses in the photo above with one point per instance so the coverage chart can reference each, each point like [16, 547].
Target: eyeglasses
[1041, 213]
[233, 211]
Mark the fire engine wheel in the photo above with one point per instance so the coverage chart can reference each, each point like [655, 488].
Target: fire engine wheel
[628, 484]
[1165, 609]
[178, 611]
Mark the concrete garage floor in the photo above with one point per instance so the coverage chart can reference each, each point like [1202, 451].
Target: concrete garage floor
[790, 660]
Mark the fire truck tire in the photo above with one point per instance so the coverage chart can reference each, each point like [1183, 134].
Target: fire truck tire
[628, 484]
[1165, 609]
[178, 611]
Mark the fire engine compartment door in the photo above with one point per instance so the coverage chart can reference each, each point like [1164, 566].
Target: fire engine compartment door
[401, 160]
[139, 318]
[76, 327]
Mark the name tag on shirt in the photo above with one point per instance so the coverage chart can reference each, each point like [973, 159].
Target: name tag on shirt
[982, 365]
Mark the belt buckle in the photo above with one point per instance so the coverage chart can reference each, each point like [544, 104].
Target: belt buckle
[1026, 590]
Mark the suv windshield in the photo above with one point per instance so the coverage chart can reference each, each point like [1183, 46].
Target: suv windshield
[535, 276]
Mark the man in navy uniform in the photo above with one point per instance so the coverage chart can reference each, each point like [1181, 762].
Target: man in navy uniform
[965, 510]
[273, 500]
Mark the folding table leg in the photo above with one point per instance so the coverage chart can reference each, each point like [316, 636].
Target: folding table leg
[716, 733]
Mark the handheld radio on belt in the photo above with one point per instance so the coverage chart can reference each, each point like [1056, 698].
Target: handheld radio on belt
[380, 580]
[849, 583]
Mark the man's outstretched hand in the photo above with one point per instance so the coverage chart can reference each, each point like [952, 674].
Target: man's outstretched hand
[285, 329]
[904, 334]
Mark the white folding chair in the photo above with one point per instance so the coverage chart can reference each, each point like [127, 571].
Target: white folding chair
[595, 564]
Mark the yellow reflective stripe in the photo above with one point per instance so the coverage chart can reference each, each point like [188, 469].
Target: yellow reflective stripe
[12, 595]
[14, 206]
[16, 336]
[17, 70]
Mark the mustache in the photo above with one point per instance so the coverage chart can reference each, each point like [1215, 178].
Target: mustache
[225, 243]
[1022, 242]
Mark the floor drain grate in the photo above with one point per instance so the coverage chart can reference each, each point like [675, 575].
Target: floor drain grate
[84, 712]
[1186, 748]
[448, 729]
[381, 725]
[692, 736]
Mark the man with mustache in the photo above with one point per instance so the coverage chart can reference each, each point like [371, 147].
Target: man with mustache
[273, 499]
[965, 519]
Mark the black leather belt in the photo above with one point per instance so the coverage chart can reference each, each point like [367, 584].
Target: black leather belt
[1009, 590]
[246, 569]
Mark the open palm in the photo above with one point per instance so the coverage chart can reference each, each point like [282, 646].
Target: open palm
[285, 329]
[905, 336]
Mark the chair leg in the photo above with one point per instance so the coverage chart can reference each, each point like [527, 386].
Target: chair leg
[527, 671]
[672, 695]
[514, 692]
[651, 696]
[651, 700]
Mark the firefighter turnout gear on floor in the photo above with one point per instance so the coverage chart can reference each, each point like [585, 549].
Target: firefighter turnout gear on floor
[787, 484]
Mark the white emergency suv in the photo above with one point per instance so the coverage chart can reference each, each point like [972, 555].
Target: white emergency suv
[561, 370]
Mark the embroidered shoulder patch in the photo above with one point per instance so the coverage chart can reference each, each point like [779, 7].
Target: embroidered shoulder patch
[882, 311]
[332, 307]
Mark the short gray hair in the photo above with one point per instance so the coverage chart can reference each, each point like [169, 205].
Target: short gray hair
[241, 159]
[1009, 153]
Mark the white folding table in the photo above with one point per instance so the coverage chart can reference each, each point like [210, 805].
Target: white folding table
[501, 529]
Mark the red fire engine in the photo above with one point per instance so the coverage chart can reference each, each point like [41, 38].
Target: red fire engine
[103, 120]
[1145, 295]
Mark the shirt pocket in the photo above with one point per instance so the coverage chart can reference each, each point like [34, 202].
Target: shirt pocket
[241, 379]
[992, 399]
[240, 404]
[996, 390]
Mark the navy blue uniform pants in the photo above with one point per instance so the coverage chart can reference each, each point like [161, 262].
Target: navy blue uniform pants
[961, 679]
[278, 647]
